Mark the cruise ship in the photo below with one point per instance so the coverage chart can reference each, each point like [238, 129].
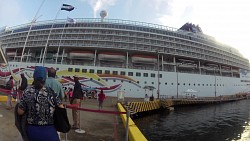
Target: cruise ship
[132, 57]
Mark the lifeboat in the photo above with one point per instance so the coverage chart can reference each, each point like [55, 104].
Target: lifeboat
[111, 56]
[144, 59]
[225, 67]
[81, 54]
[212, 65]
[11, 53]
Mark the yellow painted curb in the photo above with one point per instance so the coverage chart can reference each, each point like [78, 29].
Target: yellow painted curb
[134, 132]
[5, 98]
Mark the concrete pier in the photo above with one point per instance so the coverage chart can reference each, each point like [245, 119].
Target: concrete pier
[98, 126]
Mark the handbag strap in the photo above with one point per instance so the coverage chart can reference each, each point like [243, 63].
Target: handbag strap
[53, 94]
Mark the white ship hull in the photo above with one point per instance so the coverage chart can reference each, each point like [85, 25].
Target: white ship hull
[133, 86]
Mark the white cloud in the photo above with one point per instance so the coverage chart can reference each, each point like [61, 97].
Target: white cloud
[227, 20]
[10, 10]
[98, 5]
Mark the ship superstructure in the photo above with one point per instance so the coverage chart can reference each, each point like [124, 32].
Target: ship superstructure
[115, 55]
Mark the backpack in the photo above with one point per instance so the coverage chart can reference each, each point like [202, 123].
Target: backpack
[8, 85]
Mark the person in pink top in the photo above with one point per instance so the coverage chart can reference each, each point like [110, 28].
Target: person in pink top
[101, 97]
[70, 94]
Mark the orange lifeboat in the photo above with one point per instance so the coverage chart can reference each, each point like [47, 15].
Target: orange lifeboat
[11, 53]
[111, 56]
[81, 54]
[144, 59]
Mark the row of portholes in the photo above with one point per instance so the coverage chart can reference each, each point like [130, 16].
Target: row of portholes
[138, 74]
[184, 84]
[12, 65]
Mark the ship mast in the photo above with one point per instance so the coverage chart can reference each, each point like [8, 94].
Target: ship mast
[31, 24]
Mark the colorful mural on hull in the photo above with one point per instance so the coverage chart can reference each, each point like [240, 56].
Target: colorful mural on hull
[66, 78]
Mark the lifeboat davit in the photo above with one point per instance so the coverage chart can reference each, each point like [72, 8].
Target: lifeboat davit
[81, 54]
[111, 56]
[144, 59]
[11, 53]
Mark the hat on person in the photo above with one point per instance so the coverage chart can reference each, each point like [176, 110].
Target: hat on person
[40, 71]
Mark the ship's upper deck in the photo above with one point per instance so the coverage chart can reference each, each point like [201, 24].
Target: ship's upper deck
[122, 35]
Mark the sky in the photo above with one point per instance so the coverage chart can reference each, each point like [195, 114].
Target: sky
[226, 20]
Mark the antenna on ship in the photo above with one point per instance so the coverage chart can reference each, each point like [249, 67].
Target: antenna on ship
[103, 14]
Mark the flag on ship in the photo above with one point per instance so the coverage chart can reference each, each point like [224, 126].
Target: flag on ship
[71, 20]
[67, 7]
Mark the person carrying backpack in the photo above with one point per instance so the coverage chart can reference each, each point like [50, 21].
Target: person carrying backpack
[23, 86]
[24, 83]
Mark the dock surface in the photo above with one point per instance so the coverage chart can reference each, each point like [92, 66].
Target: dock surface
[98, 126]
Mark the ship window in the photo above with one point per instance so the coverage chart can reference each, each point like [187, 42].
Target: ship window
[198, 84]
[178, 83]
[152, 82]
[129, 81]
[184, 84]
[99, 79]
[114, 80]
[172, 83]
[70, 69]
[122, 81]
[210, 84]
[138, 82]
[99, 71]
[77, 70]
[194, 84]
[166, 83]
[145, 82]
[152, 75]
[115, 72]
[91, 79]
[91, 71]
[145, 74]
[207, 84]
[189, 84]
[130, 73]
[160, 75]
[123, 73]
[107, 72]
[84, 70]
[202, 84]
[138, 74]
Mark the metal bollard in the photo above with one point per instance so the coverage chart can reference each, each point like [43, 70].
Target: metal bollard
[127, 115]
[80, 130]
